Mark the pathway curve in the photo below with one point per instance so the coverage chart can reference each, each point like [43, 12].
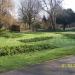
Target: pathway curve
[47, 68]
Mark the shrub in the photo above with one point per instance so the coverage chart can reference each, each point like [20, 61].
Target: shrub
[36, 25]
[15, 28]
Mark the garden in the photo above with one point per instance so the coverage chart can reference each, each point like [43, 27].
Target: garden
[18, 50]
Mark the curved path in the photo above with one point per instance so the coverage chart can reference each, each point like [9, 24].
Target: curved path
[48, 68]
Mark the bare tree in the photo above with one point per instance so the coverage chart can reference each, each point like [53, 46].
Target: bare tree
[5, 8]
[51, 6]
[28, 11]
[5, 5]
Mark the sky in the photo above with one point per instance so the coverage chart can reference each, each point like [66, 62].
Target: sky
[16, 2]
[69, 4]
[66, 4]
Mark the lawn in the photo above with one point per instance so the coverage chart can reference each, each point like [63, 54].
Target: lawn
[18, 50]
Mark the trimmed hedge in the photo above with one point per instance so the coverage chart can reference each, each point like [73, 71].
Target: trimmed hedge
[23, 49]
[36, 39]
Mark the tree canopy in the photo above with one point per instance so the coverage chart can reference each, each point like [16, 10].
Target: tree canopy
[66, 17]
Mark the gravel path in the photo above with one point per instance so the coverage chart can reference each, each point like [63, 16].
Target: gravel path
[48, 68]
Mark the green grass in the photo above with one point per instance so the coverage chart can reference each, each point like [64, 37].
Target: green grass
[22, 60]
[18, 50]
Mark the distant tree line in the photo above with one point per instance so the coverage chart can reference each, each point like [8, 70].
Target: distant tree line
[57, 15]
[30, 9]
[64, 18]
[29, 14]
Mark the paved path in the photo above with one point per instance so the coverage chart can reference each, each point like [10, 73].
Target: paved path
[47, 68]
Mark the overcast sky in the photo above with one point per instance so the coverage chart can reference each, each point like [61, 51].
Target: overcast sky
[69, 4]
[66, 4]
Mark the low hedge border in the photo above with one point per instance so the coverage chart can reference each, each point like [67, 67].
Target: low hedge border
[35, 39]
[24, 49]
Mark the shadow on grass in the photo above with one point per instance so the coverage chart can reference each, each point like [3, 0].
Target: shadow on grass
[10, 35]
[70, 36]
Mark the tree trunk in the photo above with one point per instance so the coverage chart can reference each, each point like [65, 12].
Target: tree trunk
[64, 26]
[53, 21]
